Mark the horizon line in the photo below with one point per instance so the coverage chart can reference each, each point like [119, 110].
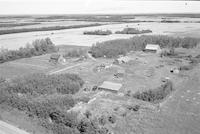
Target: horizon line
[101, 13]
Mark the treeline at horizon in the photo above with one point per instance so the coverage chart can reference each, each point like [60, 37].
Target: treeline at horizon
[50, 28]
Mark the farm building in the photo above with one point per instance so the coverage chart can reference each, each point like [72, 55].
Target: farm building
[152, 48]
[57, 58]
[123, 59]
[110, 86]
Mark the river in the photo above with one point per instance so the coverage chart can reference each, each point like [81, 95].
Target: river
[76, 37]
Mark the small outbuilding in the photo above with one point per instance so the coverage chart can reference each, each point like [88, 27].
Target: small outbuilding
[57, 58]
[152, 48]
[123, 59]
[110, 86]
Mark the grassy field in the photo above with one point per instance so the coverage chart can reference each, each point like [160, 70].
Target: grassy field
[37, 64]
[25, 66]
[144, 71]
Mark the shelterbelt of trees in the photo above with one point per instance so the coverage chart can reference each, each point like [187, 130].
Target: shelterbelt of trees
[117, 47]
[47, 99]
[36, 48]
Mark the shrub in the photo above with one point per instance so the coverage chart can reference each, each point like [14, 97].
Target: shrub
[88, 114]
[112, 119]
[102, 120]
[2, 80]
[94, 88]
[128, 93]
[87, 126]
[155, 95]
[134, 108]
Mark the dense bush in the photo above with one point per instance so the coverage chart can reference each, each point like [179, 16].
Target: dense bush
[41, 108]
[39, 84]
[38, 47]
[44, 109]
[111, 48]
[91, 126]
[98, 32]
[155, 95]
[133, 31]
[38, 96]
[133, 108]
[54, 108]
[117, 47]
[75, 53]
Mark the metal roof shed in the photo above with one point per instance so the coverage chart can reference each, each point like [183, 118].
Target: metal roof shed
[110, 86]
[152, 47]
